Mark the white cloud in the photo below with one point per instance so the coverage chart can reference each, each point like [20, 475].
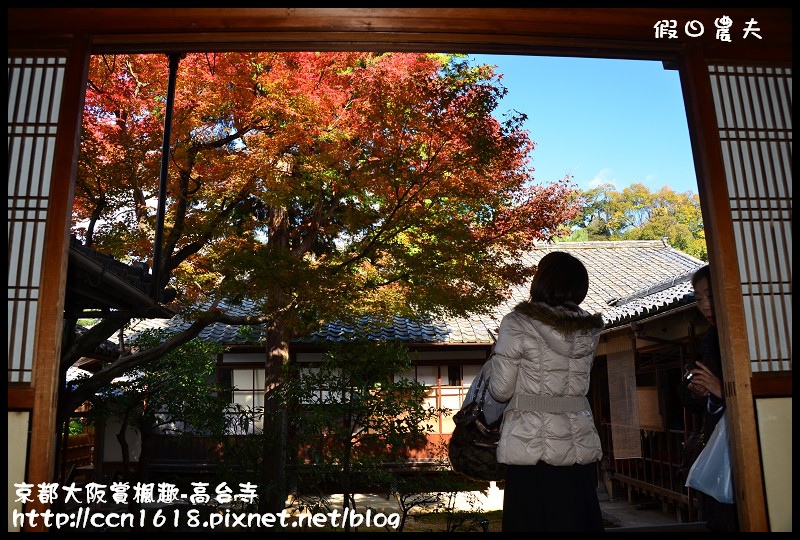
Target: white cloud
[605, 176]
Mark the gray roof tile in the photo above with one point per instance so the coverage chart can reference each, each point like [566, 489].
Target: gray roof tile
[628, 280]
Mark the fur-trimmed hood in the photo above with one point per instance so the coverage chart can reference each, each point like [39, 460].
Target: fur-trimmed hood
[562, 319]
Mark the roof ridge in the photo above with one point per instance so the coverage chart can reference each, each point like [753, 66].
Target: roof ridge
[643, 277]
[653, 289]
[593, 244]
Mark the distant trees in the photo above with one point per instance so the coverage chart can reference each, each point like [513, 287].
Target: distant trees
[636, 213]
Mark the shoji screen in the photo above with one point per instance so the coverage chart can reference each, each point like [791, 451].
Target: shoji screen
[754, 117]
[34, 93]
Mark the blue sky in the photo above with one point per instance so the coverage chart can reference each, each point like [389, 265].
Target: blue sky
[600, 121]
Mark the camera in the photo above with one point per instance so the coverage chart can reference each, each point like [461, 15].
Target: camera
[687, 371]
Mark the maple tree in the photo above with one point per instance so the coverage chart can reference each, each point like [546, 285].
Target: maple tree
[318, 186]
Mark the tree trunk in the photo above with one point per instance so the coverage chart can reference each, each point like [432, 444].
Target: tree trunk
[123, 444]
[274, 488]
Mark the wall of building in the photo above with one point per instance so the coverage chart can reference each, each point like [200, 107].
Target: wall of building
[776, 455]
[17, 448]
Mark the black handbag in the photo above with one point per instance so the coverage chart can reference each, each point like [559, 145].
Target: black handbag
[472, 449]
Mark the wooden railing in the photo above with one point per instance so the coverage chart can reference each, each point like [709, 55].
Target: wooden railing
[79, 450]
[657, 473]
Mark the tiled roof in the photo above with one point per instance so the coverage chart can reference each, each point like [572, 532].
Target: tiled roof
[627, 281]
[137, 275]
[98, 282]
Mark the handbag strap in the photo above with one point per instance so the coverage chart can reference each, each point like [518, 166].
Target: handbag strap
[476, 405]
[479, 397]
[482, 398]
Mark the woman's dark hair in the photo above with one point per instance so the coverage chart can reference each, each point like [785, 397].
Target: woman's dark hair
[704, 272]
[559, 278]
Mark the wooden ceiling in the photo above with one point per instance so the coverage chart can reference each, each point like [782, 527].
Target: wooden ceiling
[601, 32]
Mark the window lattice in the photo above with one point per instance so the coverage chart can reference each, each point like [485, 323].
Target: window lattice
[34, 95]
[754, 117]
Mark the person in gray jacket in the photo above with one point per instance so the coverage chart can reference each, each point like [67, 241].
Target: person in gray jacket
[541, 365]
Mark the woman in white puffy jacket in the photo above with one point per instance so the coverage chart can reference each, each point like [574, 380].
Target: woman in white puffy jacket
[541, 365]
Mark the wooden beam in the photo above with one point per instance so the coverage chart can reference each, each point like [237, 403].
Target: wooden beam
[20, 399]
[778, 384]
[712, 187]
[47, 352]
[611, 32]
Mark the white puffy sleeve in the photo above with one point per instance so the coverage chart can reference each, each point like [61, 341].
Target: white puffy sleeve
[507, 355]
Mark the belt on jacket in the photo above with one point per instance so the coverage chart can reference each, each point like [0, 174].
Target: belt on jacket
[549, 404]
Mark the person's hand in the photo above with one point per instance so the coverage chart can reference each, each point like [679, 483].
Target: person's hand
[704, 382]
[697, 390]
